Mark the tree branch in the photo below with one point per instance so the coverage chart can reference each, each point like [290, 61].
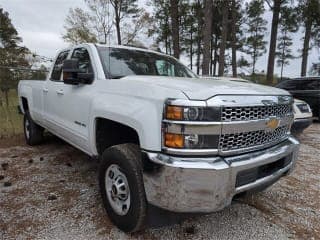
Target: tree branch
[269, 4]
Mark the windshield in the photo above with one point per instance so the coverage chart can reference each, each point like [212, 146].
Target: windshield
[120, 62]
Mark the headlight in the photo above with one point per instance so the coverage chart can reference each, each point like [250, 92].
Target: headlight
[183, 124]
[304, 108]
[192, 113]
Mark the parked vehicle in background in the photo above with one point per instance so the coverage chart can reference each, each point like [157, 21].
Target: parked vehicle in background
[302, 116]
[163, 135]
[306, 89]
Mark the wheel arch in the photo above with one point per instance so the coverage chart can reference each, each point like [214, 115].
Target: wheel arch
[108, 133]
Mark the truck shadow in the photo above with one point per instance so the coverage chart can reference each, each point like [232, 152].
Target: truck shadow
[158, 217]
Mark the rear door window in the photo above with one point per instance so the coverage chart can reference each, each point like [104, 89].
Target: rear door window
[57, 68]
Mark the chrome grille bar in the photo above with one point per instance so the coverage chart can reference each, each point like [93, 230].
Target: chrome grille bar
[245, 140]
[230, 114]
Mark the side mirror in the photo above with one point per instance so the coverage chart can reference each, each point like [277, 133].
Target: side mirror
[73, 75]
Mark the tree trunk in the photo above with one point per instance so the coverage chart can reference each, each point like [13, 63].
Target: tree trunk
[118, 28]
[234, 39]
[273, 40]
[254, 53]
[215, 58]
[191, 48]
[207, 35]
[305, 50]
[211, 56]
[223, 37]
[198, 54]
[174, 12]
[105, 38]
[283, 54]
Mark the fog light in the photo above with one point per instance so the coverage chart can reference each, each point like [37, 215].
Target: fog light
[173, 140]
[191, 141]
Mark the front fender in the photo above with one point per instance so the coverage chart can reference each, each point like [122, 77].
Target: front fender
[143, 115]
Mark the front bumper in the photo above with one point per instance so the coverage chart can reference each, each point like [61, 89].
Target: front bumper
[209, 184]
[300, 124]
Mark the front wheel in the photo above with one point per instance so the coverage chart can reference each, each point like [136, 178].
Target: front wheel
[122, 188]
[33, 133]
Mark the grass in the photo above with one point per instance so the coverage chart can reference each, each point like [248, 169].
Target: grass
[10, 119]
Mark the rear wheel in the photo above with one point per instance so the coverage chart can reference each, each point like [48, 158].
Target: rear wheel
[33, 133]
[122, 188]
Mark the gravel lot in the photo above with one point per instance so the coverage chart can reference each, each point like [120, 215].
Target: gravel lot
[51, 192]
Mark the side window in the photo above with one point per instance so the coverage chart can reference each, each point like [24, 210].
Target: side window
[165, 68]
[57, 68]
[310, 85]
[290, 85]
[82, 55]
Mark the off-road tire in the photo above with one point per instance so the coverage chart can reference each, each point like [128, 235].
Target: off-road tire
[35, 135]
[128, 158]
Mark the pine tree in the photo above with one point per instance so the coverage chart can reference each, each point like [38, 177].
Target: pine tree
[256, 28]
[236, 32]
[207, 36]
[11, 53]
[288, 25]
[275, 6]
[224, 34]
[188, 29]
[161, 28]
[199, 18]
[216, 36]
[309, 11]
[315, 69]
[174, 13]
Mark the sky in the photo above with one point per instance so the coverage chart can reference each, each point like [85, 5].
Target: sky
[40, 24]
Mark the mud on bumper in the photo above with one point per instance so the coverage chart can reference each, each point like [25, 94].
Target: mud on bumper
[182, 184]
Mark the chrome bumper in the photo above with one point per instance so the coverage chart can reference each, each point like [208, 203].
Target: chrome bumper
[208, 184]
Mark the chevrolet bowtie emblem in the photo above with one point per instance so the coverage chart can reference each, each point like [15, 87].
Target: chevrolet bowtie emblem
[272, 124]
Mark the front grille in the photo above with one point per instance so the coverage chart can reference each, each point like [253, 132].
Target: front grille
[229, 142]
[230, 114]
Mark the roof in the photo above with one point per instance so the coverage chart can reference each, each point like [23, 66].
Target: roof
[306, 78]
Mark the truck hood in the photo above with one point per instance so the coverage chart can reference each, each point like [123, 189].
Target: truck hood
[202, 89]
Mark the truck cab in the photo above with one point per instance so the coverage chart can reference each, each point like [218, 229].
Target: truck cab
[163, 135]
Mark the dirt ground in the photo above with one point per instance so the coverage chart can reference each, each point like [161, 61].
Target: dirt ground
[51, 192]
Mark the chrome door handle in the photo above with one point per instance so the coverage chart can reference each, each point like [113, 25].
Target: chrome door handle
[60, 92]
[45, 90]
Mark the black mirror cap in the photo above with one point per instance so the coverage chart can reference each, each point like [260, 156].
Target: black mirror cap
[85, 78]
[70, 70]
[71, 66]
[73, 75]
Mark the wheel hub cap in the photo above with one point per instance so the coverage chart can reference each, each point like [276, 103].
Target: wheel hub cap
[117, 189]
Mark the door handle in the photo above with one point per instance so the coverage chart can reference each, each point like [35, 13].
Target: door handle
[60, 92]
[45, 90]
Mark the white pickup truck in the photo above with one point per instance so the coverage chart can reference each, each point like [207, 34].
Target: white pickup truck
[163, 135]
